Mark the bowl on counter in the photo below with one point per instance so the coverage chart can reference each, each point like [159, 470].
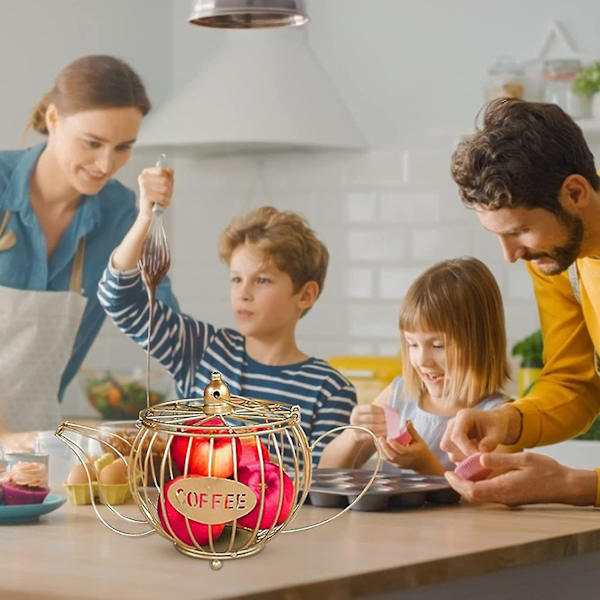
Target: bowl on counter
[121, 395]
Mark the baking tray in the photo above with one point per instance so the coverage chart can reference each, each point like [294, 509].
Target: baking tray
[339, 487]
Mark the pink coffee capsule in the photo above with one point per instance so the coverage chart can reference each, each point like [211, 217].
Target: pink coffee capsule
[471, 468]
[392, 423]
[404, 439]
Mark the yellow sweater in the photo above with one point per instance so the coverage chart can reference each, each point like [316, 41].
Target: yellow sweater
[566, 399]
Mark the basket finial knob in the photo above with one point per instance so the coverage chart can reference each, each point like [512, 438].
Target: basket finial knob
[216, 396]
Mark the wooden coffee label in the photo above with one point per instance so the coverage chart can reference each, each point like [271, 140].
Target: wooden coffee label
[211, 500]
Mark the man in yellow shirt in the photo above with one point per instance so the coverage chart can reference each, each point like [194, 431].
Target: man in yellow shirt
[530, 177]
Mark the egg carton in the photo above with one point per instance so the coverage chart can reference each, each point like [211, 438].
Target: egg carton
[339, 487]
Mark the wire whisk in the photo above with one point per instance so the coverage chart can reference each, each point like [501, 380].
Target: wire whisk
[154, 264]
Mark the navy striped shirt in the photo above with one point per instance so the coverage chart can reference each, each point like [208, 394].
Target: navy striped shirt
[324, 396]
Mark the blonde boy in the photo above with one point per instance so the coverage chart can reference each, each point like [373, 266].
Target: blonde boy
[277, 269]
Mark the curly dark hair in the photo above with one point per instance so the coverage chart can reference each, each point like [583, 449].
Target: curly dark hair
[521, 156]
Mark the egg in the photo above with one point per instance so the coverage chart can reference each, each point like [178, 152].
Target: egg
[78, 474]
[103, 461]
[114, 473]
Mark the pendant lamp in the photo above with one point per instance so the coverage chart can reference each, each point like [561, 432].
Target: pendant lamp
[248, 14]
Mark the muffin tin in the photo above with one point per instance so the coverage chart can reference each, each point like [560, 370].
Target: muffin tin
[339, 487]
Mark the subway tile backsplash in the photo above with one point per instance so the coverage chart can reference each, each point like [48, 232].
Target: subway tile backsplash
[410, 206]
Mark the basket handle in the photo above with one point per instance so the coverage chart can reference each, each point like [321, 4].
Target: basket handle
[364, 490]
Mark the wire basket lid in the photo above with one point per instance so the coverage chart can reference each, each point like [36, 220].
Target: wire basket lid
[220, 410]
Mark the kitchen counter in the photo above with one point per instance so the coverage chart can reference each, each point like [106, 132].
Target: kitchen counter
[69, 554]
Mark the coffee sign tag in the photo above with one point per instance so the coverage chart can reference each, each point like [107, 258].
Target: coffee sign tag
[211, 500]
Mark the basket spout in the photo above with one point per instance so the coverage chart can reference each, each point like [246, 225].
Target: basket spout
[85, 460]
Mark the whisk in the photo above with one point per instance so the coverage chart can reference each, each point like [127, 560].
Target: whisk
[154, 264]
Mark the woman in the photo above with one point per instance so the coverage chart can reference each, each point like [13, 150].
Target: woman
[61, 215]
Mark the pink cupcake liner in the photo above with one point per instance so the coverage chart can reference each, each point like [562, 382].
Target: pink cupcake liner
[395, 432]
[392, 422]
[404, 438]
[471, 468]
[18, 495]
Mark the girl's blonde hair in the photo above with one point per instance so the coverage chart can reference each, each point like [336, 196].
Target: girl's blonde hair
[459, 299]
[95, 81]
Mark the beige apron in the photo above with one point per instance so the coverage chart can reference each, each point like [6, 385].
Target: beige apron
[37, 333]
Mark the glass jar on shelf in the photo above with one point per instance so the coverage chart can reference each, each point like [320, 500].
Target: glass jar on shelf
[505, 79]
[558, 75]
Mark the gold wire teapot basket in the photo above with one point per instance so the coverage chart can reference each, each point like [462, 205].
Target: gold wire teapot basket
[218, 477]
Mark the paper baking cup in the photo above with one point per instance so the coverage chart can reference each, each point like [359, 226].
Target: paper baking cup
[472, 469]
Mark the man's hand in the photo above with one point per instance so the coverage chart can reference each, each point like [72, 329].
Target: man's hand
[473, 430]
[528, 478]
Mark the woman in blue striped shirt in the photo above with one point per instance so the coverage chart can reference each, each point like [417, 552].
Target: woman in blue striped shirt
[277, 269]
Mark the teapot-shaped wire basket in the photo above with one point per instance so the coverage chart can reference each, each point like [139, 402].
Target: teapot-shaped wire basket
[219, 477]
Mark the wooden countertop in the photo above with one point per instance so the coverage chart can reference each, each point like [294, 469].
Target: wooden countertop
[69, 554]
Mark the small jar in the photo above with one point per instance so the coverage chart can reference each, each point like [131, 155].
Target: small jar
[558, 75]
[505, 79]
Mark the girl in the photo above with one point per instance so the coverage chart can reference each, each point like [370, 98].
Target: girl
[454, 356]
[61, 215]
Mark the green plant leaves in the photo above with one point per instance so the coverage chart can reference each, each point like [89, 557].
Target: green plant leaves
[530, 349]
[587, 83]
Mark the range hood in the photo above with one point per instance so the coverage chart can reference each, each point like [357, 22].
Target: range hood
[262, 90]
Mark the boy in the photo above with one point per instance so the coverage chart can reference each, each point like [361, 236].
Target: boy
[277, 267]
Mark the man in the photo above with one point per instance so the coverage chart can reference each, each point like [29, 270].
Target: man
[530, 177]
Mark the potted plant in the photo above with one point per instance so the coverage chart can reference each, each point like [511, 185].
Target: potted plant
[530, 350]
[587, 84]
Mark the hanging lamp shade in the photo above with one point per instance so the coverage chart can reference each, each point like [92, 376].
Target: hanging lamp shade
[248, 14]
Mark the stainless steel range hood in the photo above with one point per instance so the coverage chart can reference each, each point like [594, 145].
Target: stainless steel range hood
[263, 90]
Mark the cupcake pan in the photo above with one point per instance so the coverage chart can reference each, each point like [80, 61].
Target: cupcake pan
[337, 488]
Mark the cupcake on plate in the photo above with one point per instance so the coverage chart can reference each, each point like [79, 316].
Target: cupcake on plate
[27, 483]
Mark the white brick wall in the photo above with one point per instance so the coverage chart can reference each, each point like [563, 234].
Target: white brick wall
[376, 243]
[394, 282]
[410, 206]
